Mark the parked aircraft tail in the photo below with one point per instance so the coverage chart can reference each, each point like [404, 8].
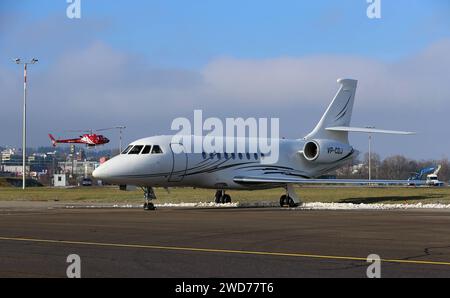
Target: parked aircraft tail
[335, 123]
[338, 113]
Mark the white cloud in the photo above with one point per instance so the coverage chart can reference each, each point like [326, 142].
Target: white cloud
[308, 79]
[98, 86]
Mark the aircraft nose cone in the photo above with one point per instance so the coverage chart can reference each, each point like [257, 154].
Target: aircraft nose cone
[108, 171]
[104, 171]
[99, 173]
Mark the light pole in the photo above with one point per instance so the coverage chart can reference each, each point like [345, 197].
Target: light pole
[121, 128]
[370, 152]
[24, 123]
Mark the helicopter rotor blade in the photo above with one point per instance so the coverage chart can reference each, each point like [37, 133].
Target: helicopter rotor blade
[111, 128]
[80, 130]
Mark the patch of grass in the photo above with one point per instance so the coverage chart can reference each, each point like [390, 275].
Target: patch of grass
[308, 194]
[4, 183]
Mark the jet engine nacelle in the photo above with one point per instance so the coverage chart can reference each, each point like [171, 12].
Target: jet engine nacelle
[325, 151]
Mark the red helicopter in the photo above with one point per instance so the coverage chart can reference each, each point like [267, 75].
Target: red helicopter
[90, 138]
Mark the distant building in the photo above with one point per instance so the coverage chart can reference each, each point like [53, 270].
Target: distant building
[59, 180]
[81, 155]
[8, 154]
[16, 170]
[37, 157]
[78, 168]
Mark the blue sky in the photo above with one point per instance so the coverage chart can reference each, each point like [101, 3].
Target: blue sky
[128, 61]
[190, 33]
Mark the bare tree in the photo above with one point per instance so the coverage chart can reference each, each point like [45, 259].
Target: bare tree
[393, 167]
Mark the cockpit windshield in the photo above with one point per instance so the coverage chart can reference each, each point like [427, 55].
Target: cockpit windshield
[136, 149]
[156, 149]
[127, 149]
[147, 149]
[143, 149]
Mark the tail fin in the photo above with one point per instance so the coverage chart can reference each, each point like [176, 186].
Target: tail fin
[53, 139]
[339, 113]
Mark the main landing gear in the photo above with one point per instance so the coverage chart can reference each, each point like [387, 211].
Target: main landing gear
[290, 199]
[222, 198]
[285, 200]
[149, 195]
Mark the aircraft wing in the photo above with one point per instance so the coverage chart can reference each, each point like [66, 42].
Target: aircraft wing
[282, 179]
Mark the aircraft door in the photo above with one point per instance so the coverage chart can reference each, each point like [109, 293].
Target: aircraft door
[179, 164]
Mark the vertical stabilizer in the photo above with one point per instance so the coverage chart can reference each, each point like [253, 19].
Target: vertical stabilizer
[338, 113]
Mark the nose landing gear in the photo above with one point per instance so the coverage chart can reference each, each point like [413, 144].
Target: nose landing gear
[149, 195]
[221, 197]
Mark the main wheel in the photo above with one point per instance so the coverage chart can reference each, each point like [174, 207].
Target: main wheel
[283, 200]
[218, 198]
[291, 203]
[226, 199]
[149, 206]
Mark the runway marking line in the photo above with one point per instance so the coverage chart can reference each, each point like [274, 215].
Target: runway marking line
[228, 251]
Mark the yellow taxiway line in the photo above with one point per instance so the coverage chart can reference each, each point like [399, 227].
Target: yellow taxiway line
[226, 251]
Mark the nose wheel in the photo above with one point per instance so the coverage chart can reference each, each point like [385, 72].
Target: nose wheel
[149, 195]
[222, 198]
[149, 206]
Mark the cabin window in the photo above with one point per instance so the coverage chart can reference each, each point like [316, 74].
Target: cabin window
[262, 154]
[156, 149]
[240, 155]
[219, 156]
[247, 155]
[256, 156]
[225, 155]
[136, 149]
[204, 155]
[211, 155]
[146, 149]
[127, 149]
[233, 155]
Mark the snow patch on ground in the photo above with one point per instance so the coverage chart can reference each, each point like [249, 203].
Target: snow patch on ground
[351, 206]
[305, 206]
[198, 205]
[164, 205]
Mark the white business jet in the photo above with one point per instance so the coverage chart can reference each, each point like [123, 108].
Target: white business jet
[155, 161]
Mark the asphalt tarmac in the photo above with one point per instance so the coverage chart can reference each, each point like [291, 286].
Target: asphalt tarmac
[223, 242]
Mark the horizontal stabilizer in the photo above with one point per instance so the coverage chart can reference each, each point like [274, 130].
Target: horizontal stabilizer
[368, 130]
